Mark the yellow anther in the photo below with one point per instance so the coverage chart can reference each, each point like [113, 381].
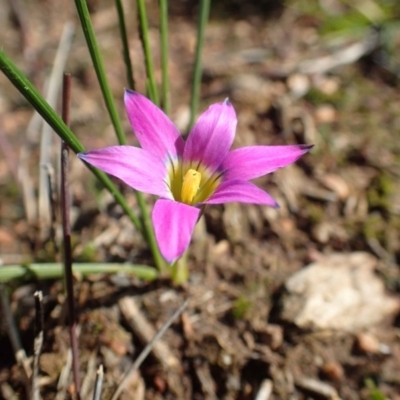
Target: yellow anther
[190, 185]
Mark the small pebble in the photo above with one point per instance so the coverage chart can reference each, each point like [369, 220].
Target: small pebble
[325, 114]
[333, 371]
[367, 343]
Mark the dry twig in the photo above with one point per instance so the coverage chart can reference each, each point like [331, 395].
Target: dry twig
[145, 331]
[66, 225]
[98, 384]
[62, 384]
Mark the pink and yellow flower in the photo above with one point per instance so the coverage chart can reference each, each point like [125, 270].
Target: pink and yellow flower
[189, 174]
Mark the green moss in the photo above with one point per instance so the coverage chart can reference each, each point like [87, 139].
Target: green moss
[241, 307]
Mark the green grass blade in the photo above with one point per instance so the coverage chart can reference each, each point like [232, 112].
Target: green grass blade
[91, 41]
[26, 88]
[164, 55]
[125, 44]
[202, 23]
[55, 270]
[144, 36]
[147, 224]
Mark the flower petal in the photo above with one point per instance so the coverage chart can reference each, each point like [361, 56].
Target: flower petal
[254, 161]
[212, 136]
[136, 167]
[155, 132]
[240, 191]
[173, 225]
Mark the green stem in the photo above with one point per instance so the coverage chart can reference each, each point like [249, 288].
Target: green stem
[147, 224]
[203, 19]
[180, 271]
[150, 235]
[125, 45]
[26, 88]
[55, 270]
[91, 41]
[164, 55]
[144, 36]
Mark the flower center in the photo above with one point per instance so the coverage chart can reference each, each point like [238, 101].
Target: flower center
[190, 185]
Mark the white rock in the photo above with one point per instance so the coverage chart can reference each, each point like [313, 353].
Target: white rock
[340, 291]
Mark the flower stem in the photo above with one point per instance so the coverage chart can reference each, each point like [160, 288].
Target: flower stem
[125, 44]
[146, 220]
[19, 80]
[203, 19]
[180, 272]
[150, 235]
[164, 55]
[144, 36]
[91, 42]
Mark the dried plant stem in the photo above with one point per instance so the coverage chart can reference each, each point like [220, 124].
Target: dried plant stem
[98, 384]
[203, 19]
[38, 344]
[63, 379]
[25, 180]
[90, 375]
[141, 327]
[65, 209]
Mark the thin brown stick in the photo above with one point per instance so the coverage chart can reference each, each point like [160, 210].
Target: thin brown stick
[38, 344]
[65, 209]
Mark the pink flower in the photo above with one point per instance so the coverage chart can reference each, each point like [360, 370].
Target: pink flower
[189, 174]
